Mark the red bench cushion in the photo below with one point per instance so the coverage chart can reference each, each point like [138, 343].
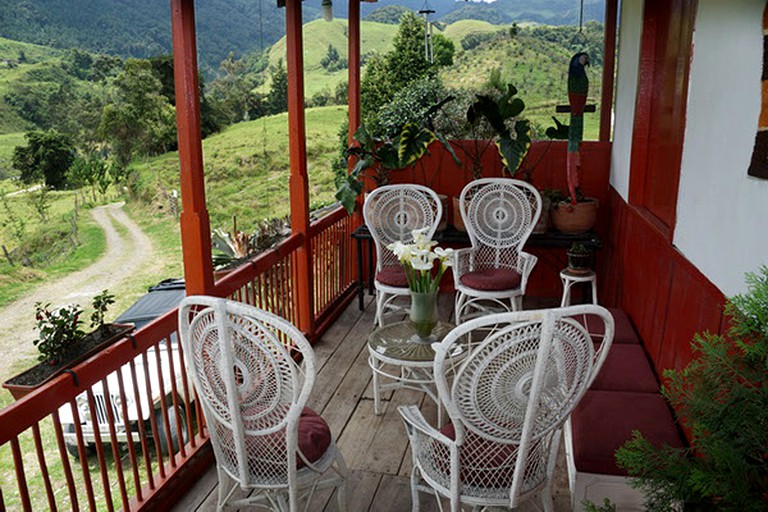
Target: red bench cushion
[626, 369]
[604, 420]
[624, 332]
[492, 279]
[392, 276]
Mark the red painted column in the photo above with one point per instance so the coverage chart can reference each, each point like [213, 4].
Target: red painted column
[609, 69]
[195, 226]
[353, 91]
[299, 181]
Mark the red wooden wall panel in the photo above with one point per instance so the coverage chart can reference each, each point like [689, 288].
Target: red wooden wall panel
[667, 298]
[661, 107]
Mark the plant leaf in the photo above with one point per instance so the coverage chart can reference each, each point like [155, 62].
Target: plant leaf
[347, 191]
[447, 145]
[413, 143]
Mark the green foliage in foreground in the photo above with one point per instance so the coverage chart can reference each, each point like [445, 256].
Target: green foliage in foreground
[721, 397]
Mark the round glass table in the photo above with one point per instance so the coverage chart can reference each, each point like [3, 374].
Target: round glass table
[398, 353]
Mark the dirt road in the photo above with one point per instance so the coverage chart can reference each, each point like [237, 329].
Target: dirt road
[123, 257]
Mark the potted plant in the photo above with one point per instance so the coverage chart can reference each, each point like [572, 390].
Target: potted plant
[378, 156]
[579, 258]
[578, 214]
[62, 343]
[234, 247]
[721, 399]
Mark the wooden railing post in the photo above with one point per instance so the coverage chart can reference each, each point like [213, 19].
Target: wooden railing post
[195, 225]
[299, 182]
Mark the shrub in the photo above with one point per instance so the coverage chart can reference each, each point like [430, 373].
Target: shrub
[721, 397]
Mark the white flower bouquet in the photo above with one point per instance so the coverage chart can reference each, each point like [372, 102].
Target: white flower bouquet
[418, 260]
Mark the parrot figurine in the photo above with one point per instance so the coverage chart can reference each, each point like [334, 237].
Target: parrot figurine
[578, 88]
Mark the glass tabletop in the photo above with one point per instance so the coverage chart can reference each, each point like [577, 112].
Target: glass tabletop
[400, 341]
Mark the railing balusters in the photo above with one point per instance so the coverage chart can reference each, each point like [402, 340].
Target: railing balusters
[142, 429]
[100, 450]
[65, 461]
[43, 466]
[129, 437]
[113, 438]
[21, 479]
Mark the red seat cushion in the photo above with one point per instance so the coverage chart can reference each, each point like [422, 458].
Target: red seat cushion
[626, 369]
[392, 276]
[314, 438]
[483, 463]
[624, 332]
[604, 420]
[492, 279]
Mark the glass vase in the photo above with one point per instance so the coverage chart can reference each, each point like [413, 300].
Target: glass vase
[423, 312]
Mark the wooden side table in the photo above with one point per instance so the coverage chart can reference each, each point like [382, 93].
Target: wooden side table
[570, 278]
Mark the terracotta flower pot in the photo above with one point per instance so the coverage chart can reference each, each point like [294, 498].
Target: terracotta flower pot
[444, 220]
[543, 223]
[458, 222]
[576, 218]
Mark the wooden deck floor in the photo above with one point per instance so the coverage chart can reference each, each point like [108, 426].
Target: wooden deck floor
[375, 447]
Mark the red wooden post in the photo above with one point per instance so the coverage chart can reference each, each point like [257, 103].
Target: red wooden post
[353, 90]
[299, 186]
[609, 67]
[195, 226]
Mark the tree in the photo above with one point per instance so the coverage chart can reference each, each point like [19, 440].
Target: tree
[277, 99]
[404, 63]
[140, 120]
[47, 157]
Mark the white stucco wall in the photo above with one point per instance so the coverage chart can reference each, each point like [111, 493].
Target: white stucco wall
[630, 28]
[722, 213]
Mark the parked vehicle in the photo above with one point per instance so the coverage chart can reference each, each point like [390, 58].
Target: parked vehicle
[140, 403]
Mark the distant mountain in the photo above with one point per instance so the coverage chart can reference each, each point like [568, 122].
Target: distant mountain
[142, 28]
[550, 12]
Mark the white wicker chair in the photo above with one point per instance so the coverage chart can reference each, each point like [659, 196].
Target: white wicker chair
[253, 395]
[491, 276]
[508, 381]
[391, 213]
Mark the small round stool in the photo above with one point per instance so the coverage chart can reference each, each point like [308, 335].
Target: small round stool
[570, 278]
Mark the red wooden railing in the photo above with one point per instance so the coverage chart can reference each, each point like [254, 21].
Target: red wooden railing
[128, 471]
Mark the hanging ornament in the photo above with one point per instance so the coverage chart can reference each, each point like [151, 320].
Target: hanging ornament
[327, 6]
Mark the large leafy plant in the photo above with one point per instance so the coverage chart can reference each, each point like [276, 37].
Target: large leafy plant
[721, 397]
[503, 113]
[377, 156]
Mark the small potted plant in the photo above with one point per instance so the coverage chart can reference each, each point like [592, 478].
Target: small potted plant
[579, 258]
[62, 343]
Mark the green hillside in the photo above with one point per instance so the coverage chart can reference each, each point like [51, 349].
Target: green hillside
[142, 28]
[318, 35]
[246, 167]
[461, 29]
[24, 65]
[536, 62]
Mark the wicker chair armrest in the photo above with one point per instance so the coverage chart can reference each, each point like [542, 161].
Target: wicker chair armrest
[417, 426]
[526, 262]
[462, 262]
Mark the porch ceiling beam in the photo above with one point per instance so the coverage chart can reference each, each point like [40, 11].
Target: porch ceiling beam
[195, 225]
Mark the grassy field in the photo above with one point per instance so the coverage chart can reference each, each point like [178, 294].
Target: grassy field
[318, 35]
[246, 167]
